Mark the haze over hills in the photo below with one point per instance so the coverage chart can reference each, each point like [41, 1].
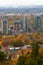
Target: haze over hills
[22, 9]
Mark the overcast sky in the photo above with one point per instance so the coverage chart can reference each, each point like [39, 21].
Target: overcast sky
[16, 3]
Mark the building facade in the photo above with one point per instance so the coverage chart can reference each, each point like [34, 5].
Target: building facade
[4, 27]
[20, 24]
[38, 23]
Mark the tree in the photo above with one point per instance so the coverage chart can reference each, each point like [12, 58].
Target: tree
[21, 60]
[35, 58]
[35, 49]
[2, 56]
[31, 61]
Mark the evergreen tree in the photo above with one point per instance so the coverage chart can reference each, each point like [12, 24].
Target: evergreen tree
[35, 57]
[2, 56]
[35, 50]
[21, 60]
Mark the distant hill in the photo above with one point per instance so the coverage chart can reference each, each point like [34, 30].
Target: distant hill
[25, 10]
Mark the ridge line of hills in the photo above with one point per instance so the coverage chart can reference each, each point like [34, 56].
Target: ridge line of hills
[26, 10]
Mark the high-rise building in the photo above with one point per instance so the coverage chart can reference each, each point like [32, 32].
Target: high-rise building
[5, 27]
[38, 23]
[28, 25]
[11, 29]
[17, 25]
[24, 24]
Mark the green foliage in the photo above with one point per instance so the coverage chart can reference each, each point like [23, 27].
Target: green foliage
[2, 56]
[21, 60]
[35, 58]
[35, 50]
[38, 60]
[31, 61]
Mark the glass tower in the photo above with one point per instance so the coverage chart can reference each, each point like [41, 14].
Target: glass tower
[38, 23]
[24, 24]
[5, 27]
